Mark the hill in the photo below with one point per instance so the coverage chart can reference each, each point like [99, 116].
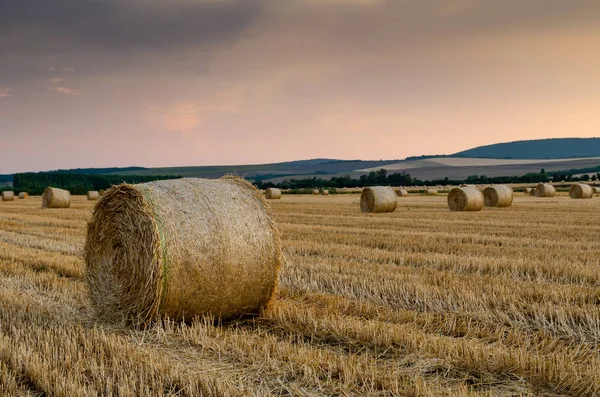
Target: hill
[555, 148]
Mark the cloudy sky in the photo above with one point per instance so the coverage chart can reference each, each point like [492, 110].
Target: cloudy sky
[90, 83]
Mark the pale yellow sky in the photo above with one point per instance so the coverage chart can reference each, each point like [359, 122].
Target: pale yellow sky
[198, 82]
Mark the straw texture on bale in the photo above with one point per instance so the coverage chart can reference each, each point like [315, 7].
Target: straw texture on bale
[378, 199]
[315, 192]
[325, 192]
[544, 190]
[93, 195]
[23, 195]
[181, 248]
[401, 192]
[465, 199]
[581, 191]
[498, 196]
[56, 198]
[431, 192]
[8, 195]
[596, 189]
[273, 193]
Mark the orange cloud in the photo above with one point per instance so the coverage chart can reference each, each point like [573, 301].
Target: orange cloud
[63, 90]
[6, 92]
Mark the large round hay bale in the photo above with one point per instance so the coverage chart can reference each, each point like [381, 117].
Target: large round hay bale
[182, 248]
[378, 199]
[401, 192]
[23, 195]
[56, 198]
[498, 196]
[325, 192]
[431, 192]
[465, 199]
[93, 195]
[544, 190]
[581, 191]
[8, 195]
[315, 192]
[273, 193]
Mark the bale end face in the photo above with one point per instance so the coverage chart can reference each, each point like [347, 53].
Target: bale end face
[8, 195]
[378, 199]
[581, 191]
[465, 199]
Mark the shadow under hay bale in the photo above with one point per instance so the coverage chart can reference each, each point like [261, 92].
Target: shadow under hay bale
[581, 191]
[273, 193]
[465, 199]
[498, 196]
[378, 199]
[56, 198]
[182, 248]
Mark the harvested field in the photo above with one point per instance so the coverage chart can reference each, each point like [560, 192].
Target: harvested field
[419, 302]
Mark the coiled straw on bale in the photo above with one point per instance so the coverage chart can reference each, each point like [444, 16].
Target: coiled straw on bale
[498, 196]
[8, 195]
[23, 195]
[581, 191]
[181, 248]
[378, 199]
[465, 199]
[273, 193]
[544, 190]
[93, 195]
[56, 198]
[401, 192]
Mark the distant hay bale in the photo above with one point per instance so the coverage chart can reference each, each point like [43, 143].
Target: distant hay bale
[93, 195]
[378, 199]
[23, 195]
[431, 192]
[527, 190]
[545, 190]
[325, 192]
[465, 199]
[596, 189]
[581, 191]
[401, 192]
[273, 193]
[498, 196]
[182, 248]
[315, 192]
[532, 192]
[56, 198]
[8, 195]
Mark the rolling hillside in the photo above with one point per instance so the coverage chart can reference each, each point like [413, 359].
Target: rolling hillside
[556, 148]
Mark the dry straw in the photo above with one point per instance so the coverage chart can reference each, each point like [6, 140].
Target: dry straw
[527, 190]
[544, 190]
[325, 192]
[315, 192]
[378, 199]
[431, 192]
[401, 192]
[93, 195]
[465, 199]
[596, 189]
[56, 198]
[498, 196]
[581, 191]
[23, 195]
[8, 195]
[181, 248]
[273, 193]
[532, 192]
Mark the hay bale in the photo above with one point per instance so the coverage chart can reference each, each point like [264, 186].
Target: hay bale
[527, 190]
[93, 195]
[465, 199]
[23, 195]
[273, 193]
[463, 185]
[315, 192]
[498, 196]
[532, 192]
[101, 192]
[378, 199]
[431, 192]
[581, 191]
[401, 192]
[8, 195]
[325, 192]
[56, 198]
[544, 190]
[181, 248]
[596, 189]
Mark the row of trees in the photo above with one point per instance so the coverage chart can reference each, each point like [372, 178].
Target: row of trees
[35, 183]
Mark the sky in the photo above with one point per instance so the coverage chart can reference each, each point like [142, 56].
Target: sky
[102, 83]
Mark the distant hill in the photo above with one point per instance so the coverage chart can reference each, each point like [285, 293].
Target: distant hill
[555, 148]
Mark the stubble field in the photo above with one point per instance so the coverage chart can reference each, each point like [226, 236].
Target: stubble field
[422, 301]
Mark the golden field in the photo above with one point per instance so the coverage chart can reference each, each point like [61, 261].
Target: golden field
[419, 302]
